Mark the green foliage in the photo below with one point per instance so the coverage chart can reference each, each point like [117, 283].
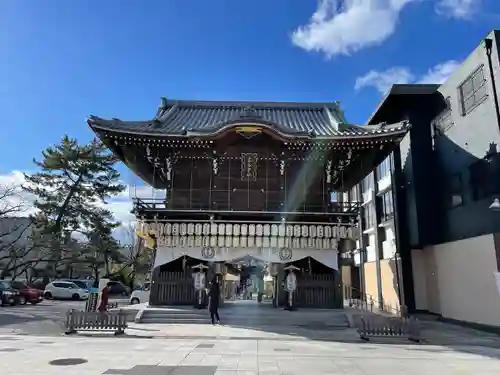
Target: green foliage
[73, 179]
[101, 248]
[71, 188]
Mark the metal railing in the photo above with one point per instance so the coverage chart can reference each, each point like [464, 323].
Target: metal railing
[395, 327]
[156, 204]
[366, 302]
[95, 321]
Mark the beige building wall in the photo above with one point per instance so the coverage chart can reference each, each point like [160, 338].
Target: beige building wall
[346, 275]
[371, 288]
[456, 280]
[425, 280]
[389, 284]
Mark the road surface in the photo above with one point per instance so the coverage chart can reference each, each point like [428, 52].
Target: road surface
[46, 318]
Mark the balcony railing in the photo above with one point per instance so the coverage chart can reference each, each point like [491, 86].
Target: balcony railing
[155, 204]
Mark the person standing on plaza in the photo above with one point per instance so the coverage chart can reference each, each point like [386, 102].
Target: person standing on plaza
[234, 294]
[103, 305]
[213, 302]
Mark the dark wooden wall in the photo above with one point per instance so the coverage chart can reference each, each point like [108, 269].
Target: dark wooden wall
[318, 286]
[173, 283]
[302, 187]
[314, 291]
[173, 288]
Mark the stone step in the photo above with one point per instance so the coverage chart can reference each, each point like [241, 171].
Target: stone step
[174, 314]
[166, 316]
[270, 319]
[156, 320]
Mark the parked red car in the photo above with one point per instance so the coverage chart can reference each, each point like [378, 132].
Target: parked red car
[27, 293]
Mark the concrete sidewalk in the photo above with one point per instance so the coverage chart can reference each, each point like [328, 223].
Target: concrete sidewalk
[208, 331]
[32, 355]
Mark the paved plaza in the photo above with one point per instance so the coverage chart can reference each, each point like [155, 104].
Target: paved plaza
[23, 355]
[46, 318]
[238, 348]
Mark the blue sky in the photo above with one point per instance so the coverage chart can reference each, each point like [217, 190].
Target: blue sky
[61, 61]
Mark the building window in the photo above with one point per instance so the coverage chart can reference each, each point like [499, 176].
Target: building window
[369, 216]
[456, 188]
[444, 120]
[485, 177]
[384, 169]
[334, 197]
[472, 91]
[386, 206]
[367, 183]
[382, 236]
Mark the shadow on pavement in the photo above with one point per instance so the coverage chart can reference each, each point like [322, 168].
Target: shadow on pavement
[321, 325]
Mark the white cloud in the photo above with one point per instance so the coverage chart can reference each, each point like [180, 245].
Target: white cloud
[440, 72]
[459, 9]
[120, 205]
[383, 80]
[341, 27]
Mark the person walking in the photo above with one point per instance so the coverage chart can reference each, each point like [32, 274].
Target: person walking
[213, 302]
[103, 306]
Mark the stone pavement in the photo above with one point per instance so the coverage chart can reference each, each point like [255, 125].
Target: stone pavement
[226, 332]
[45, 318]
[225, 352]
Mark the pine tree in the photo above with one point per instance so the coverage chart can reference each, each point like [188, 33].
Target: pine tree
[73, 181]
[102, 249]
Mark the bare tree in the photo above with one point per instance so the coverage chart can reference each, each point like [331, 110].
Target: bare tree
[11, 202]
[137, 258]
[13, 229]
[22, 247]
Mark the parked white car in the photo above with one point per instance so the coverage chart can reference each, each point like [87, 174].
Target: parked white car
[64, 290]
[140, 295]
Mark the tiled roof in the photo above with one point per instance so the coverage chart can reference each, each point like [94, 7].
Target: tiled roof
[203, 118]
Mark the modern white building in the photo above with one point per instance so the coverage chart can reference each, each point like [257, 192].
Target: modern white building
[432, 204]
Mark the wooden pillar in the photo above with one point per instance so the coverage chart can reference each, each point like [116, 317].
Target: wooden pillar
[283, 164]
[281, 295]
[154, 297]
[339, 296]
[275, 274]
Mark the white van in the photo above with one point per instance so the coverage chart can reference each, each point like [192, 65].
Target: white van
[140, 295]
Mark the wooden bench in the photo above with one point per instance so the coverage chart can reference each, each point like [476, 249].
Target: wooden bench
[95, 321]
[387, 327]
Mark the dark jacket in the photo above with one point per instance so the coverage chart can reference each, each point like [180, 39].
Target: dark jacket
[214, 296]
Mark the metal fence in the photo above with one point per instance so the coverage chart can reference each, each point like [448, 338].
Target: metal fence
[374, 326]
[95, 321]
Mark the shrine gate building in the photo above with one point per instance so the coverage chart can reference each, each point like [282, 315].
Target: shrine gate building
[249, 178]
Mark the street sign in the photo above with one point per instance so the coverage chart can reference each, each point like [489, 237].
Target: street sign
[199, 281]
[291, 282]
